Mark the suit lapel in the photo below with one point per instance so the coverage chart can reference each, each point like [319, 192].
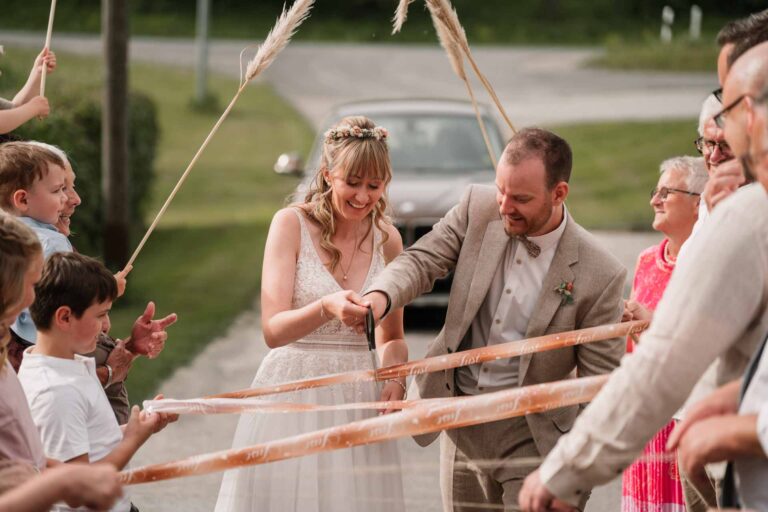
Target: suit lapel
[560, 270]
[491, 251]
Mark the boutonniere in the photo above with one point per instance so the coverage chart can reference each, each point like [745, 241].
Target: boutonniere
[565, 289]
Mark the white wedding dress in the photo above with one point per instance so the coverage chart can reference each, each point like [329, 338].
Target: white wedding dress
[365, 478]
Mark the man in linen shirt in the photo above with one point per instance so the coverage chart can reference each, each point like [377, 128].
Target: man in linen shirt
[522, 268]
[716, 304]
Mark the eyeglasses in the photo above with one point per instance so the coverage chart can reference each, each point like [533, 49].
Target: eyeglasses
[710, 145]
[723, 114]
[664, 192]
[718, 94]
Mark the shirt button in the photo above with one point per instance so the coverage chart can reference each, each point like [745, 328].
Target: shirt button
[480, 388]
[485, 370]
[508, 291]
[498, 321]
[519, 261]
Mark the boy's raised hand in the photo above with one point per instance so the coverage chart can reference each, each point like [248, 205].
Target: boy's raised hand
[148, 335]
[122, 280]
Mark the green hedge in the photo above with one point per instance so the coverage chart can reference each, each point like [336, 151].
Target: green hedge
[75, 126]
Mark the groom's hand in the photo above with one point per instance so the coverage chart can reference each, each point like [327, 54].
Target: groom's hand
[535, 497]
[378, 301]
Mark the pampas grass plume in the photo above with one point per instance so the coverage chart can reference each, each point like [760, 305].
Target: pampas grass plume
[278, 37]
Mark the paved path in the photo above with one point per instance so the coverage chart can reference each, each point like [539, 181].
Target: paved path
[230, 363]
[537, 85]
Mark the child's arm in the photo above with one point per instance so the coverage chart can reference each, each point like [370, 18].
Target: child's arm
[95, 486]
[140, 427]
[31, 89]
[15, 117]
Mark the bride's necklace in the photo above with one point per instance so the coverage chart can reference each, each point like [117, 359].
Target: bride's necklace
[345, 272]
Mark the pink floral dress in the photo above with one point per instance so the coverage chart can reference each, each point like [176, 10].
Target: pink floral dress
[653, 485]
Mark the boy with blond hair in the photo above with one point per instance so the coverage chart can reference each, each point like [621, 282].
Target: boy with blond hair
[32, 181]
[69, 407]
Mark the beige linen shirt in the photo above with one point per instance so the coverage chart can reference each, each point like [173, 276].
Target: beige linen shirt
[716, 305]
[506, 312]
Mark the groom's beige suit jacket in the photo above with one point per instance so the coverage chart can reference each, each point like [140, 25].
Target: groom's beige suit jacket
[470, 240]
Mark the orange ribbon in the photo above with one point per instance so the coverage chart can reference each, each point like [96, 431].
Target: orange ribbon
[449, 414]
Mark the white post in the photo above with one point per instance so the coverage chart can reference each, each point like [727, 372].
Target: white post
[201, 46]
[695, 31]
[667, 18]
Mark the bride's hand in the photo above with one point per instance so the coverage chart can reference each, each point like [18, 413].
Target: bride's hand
[391, 391]
[347, 306]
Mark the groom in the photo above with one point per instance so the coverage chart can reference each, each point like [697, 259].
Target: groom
[515, 252]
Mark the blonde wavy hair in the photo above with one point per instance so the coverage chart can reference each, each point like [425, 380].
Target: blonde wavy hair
[364, 156]
[18, 246]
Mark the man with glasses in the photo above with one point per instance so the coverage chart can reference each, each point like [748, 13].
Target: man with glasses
[732, 423]
[715, 306]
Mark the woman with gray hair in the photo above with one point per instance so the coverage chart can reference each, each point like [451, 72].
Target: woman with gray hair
[653, 483]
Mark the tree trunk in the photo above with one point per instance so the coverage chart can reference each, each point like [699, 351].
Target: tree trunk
[114, 19]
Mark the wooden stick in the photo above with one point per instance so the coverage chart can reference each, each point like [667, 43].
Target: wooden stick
[273, 44]
[184, 176]
[455, 360]
[47, 46]
[489, 88]
[452, 414]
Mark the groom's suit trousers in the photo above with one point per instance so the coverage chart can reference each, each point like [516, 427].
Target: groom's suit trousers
[486, 464]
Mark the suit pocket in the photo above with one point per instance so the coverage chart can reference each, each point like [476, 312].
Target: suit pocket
[564, 418]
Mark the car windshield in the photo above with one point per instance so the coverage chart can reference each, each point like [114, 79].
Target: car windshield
[439, 143]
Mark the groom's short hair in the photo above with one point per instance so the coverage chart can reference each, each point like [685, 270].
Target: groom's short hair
[554, 151]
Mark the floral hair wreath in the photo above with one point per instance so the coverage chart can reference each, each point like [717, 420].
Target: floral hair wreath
[345, 131]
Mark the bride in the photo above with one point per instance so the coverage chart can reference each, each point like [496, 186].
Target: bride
[318, 255]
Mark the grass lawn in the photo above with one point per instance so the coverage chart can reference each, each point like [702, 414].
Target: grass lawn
[616, 166]
[651, 54]
[204, 260]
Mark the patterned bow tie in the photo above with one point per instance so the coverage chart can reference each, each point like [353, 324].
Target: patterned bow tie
[532, 247]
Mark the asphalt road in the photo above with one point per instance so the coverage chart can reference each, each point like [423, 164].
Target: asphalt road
[541, 86]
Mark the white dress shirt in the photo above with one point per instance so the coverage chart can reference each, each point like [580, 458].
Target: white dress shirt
[506, 310]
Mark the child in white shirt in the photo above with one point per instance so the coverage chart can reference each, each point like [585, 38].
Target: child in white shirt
[68, 405]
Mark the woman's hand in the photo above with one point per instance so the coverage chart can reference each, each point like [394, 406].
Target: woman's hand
[391, 391]
[347, 306]
[633, 310]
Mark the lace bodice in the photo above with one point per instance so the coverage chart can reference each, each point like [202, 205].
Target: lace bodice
[313, 280]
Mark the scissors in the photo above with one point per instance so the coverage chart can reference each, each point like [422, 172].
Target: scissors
[370, 334]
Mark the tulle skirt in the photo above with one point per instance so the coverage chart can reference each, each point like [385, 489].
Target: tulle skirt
[364, 478]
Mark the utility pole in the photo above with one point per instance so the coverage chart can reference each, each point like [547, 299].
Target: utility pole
[201, 48]
[114, 131]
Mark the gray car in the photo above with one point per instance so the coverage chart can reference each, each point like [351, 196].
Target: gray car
[436, 148]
